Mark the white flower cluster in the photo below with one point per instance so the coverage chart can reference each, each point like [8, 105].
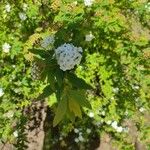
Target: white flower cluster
[68, 56]
[89, 37]
[88, 2]
[119, 129]
[47, 41]
[22, 16]
[142, 109]
[9, 114]
[6, 48]
[80, 136]
[116, 90]
[15, 133]
[1, 92]
[8, 8]
[91, 114]
[135, 87]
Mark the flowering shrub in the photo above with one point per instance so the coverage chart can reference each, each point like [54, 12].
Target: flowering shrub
[87, 59]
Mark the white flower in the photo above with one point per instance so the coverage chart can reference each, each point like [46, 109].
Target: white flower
[76, 140]
[89, 37]
[116, 90]
[103, 113]
[15, 133]
[88, 2]
[25, 6]
[141, 109]
[8, 8]
[9, 114]
[6, 47]
[112, 98]
[119, 129]
[22, 16]
[114, 124]
[88, 131]
[109, 122]
[137, 99]
[60, 138]
[47, 41]
[91, 114]
[76, 130]
[1, 92]
[68, 56]
[81, 138]
[135, 87]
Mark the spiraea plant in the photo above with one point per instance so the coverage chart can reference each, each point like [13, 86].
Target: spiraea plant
[55, 66]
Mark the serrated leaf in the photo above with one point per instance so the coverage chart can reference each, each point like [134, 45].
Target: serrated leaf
[40, 52]
[59, 77]
[60, 111]
[75, 107]
[70, 115]
[78, 82]
[51, 78]
[79, 96]
[43, 75]
[50, 61]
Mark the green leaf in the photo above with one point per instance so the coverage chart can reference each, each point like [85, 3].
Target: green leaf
[61, 111]
[78, 82]
[75, 107]
[46, 92]
[70, 115]
[79, 97]
[59, 76]
[44, 74]
[51, 78]
[59, 91]
[50, 61]
[41, 53]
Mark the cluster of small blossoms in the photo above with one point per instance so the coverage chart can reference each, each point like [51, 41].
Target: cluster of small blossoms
[141, 109]
[47, 41]
[68, 56]
[6, 47]
[7, 8]
[15, 133]
[22, 16]
[114, 124]
[1, 92]
[88, 2]
[89, 37]
[91, 114]
[135, 87]
[80, 137]
[9, 114]
[116, 90]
